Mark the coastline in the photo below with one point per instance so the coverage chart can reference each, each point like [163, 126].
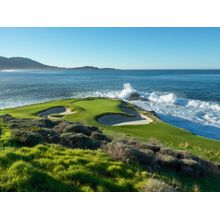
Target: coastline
[88, 110]
[195, 128]
[187, 125]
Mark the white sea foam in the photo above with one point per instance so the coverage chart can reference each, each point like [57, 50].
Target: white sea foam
[126, 92]
[169, 98]
[11, 70]
[12, 103]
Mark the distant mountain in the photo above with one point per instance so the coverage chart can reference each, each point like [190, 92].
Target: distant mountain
[21, 63]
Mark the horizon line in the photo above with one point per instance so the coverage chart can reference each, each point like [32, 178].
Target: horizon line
[116, 68]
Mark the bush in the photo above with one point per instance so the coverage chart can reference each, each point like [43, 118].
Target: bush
[144, 157]
[30, 132]
[5, 118]
[155, 185]
[49, 135]
[160, 157]
[124, 152]
[174, 153]
[166, 160]
[46, 123]
[79, 141]
[75, 128]
[60, 127]
[93, 128]
[210, 167]
[99, 136]
[26, 138]
[191, 168]
[119, 151]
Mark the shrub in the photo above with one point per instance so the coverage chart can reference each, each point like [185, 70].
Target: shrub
[124, 152]
[46, 123]
[160, 157]
[60, 127]
[144, 157]
[30, 132]
[49, 135]
[78, 141]
[93, 128]
[210, 167]
[5, 118]
[26, 138]
[191, 167]
[155, 185]
[166, 160]
[75, 128]
[174, 153]
[119, 151]
[99, 136]
[195, 188]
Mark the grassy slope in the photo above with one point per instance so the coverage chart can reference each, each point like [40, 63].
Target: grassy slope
[88, 110]
[54, 168]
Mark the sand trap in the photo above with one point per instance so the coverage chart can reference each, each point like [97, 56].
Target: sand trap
[67, 112]
[134, 117]
[61, 110]
[119, 120]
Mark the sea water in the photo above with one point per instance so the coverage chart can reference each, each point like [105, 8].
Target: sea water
[188, 99]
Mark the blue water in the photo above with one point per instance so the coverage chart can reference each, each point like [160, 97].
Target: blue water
[185, 98]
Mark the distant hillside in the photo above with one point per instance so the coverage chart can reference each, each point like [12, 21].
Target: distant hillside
[21, 63]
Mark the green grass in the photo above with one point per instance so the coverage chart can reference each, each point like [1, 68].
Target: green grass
[87, 111]
[5, 135]
[54, 168]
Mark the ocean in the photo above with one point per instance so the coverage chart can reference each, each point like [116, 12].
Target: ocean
[188, 99]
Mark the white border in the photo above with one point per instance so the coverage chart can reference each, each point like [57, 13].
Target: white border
[109, 13]
[109, 206]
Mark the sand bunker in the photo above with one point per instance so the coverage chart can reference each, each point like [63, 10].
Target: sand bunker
[61, 110]
[133, 117]
[119, 120]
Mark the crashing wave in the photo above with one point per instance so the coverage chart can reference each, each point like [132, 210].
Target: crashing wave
[169, 98]
[127, 91]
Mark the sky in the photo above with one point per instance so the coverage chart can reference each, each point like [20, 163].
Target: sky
[125, 48]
